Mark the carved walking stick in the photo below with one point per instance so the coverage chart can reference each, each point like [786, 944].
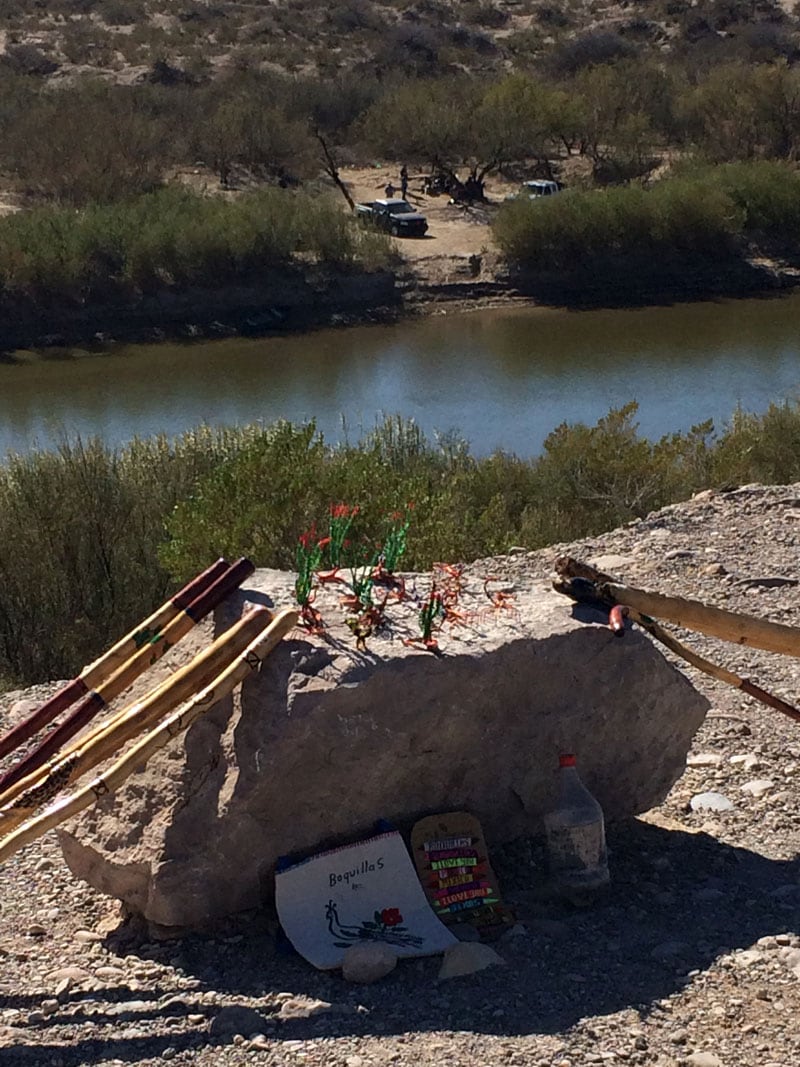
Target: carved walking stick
[141, 752]
[570, 569]
[118, 682]
[96, 672]
[716, 622]
[24, 797]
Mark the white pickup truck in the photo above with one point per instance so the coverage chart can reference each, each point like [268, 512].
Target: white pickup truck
[532, 190]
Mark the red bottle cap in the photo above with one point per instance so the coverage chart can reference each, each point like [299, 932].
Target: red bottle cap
[566, 760]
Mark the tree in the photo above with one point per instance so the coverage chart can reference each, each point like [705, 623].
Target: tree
[86, 145]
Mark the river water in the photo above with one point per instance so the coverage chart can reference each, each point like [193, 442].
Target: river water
[503, 378]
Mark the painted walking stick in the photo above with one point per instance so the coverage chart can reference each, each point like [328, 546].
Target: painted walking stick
[24, 797]
[91, 676]
[572, 571]
[156, 739]
[118, 682]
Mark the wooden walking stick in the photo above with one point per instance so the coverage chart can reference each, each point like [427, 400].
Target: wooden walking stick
[156, 739]
[96, 672]
[118, 682]
[21, 800]
[716, 622]
[570, 569]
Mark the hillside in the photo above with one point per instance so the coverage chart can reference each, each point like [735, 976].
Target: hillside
[693, 960]
[124, 39]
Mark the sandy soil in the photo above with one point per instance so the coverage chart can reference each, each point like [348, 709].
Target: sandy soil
[454, 230]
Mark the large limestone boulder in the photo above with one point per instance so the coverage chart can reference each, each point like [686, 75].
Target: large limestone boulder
[326, 739]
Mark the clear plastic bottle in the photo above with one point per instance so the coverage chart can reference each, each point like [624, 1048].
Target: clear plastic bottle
[576, 838]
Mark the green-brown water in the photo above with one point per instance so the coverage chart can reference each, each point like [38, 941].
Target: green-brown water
[502, 378]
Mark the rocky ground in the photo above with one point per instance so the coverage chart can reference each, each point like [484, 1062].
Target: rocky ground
[693, 958]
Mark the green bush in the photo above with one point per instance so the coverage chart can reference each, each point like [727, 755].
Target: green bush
[109, 533]
[173, 238]
[687, 217]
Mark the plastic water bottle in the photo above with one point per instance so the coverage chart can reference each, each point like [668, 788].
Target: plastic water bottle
[576, 838]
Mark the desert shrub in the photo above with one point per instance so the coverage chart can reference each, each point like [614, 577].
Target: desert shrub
[412, 49]
[484, 13]
[30, 60]
[121, 12]
[554, 16]
[462, 37]
[355, 15]
[767, 193]
[760, 448]
[109, 533]
[199, 12]
[684, 217]
[430, 11]
[173, 238]
[589, 49]
[524, 44]
[86, 145]
[87, 43]
[87, 569]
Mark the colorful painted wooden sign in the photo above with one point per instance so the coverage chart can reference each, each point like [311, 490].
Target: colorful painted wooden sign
[453, 865]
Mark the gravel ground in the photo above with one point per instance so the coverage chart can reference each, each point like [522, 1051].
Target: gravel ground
[693, 958]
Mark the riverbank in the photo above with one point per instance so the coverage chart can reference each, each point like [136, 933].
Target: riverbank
[456, 267]
[301, 300]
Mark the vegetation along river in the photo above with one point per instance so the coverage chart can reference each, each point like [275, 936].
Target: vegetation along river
[503, 378]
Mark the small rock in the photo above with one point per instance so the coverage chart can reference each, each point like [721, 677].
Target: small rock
[368, 962]
[36, 930]
[703, 1059]
[704, 759]
[259, 1043]
[84, 937]
[467, 958]
[758, 787]
[73, 974]
[109, 974]
[22, 709]
[237, 1019]
[49, 1006]
[304, 1008]
[515, 932]
[62, 989]
[713, 570]
[354, 1061]
[710, 802]
[747, 957]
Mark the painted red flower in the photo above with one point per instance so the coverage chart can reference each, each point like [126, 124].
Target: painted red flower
[308, 538]
[343, 511]
[391, 917]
